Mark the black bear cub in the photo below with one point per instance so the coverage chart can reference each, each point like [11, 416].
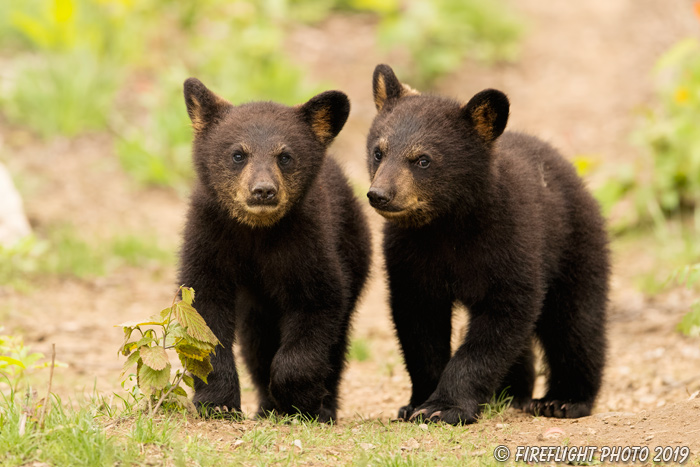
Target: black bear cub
[276, 247]
[501, 223]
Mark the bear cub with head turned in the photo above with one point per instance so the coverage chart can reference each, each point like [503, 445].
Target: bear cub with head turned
[276, 247]
[501, 223]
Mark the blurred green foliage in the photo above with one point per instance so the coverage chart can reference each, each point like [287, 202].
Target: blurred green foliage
[690, 276]
[359, 350]
[16, 359]
[91, 65]
[440, 34]
[65, 253]
[61, 94]
[666, 182]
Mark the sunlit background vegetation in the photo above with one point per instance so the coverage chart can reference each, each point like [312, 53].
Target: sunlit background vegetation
[118, 65]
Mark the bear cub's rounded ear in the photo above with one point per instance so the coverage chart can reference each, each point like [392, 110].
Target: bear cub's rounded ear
[203, 106]
[326, 113]
[386, 86]
[488, 113]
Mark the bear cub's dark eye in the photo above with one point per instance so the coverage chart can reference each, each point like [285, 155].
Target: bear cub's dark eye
[238, 157]
[423, 162]
[378, 154]
[284, 159]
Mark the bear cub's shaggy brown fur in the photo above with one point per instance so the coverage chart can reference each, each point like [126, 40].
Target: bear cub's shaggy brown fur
[502, 224]
[276, 247]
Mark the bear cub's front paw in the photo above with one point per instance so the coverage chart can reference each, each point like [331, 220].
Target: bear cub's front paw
[215, 411]
[302, 397]
[445, 411]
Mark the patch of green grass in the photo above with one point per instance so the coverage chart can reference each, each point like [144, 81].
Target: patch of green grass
[84, 433]
[359, 350]
[64, 252]
[69, 436]
[137, 250]
[69, 254]
[146, 430]
[497, 406]
[64, 94]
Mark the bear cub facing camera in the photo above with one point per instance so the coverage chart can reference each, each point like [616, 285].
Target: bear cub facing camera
[276, 247]
[501, 223]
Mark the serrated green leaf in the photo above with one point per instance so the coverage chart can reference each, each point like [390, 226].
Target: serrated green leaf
[176, 331]
[199, 368]
[164, 313]
[194, 324]
[187, 295]
[188, 380]
[155, 357]
[133, 358]
[179, 336]
[178, 391]
[190, 351]
[151, 380]
[145, 340]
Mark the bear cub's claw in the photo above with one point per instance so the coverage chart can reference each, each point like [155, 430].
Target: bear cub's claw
[214, 411]
[559, 409]
[439, 411]
[405, 412]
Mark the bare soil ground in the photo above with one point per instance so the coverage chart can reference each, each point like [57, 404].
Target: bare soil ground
[584, 70]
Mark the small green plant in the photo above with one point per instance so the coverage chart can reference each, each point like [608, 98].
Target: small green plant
[181, 329]
[497, 406]
[16, 359]
[690, 324]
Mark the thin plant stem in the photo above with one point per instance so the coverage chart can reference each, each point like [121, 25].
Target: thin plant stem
[165, 396]
[47, 401]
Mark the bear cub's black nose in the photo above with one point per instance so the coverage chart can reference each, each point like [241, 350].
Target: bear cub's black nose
[264, 191]
[378, 197]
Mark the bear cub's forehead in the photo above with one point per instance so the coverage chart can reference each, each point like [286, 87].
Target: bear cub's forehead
[261, 114]
[416, 117]
[260, 123]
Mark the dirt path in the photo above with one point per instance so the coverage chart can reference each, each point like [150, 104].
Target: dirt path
[584, 69]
